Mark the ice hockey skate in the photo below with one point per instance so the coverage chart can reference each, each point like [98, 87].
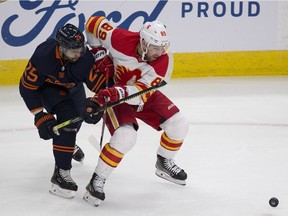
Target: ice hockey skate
[78, 154]
[167, 169]
[95, 194]
[62, 184]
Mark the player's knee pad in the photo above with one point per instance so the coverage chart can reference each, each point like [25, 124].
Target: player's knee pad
[176, 127]
[66, 110]
[124, 138]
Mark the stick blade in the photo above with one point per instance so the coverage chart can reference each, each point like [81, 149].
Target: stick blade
[94, 142]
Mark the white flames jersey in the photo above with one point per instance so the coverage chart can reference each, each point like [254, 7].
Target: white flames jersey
[130, 70]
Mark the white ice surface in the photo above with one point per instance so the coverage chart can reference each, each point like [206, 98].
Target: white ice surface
[235, 154]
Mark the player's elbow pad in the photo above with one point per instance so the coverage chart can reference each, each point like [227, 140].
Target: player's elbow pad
[92, 40]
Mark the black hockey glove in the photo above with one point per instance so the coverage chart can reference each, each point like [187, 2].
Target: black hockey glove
[45, 123]
[91, 106]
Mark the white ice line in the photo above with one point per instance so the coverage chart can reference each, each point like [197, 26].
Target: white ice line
[240, 124]
[8, 130]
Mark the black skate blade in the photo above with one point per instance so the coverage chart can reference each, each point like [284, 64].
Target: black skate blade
[165, 176]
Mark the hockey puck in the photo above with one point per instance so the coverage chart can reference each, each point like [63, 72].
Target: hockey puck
[273, 202]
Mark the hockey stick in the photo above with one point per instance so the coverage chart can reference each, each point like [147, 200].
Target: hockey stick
[65, 123]
[132, 96]
[104, 112]
[102, 108]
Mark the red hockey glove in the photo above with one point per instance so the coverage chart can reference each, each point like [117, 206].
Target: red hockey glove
[112, 94]
[103, 61]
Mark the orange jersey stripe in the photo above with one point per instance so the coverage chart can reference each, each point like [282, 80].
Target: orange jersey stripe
[98, 84]
[27, 85]
[36, 109]
[63, 150]
[59, 148]
[64, 147]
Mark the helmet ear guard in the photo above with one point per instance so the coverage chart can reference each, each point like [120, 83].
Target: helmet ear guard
[70, 37]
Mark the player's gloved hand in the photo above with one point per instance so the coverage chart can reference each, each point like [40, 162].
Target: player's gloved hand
[103, 61]
[91, 106]
[45, 123]
[112, 94]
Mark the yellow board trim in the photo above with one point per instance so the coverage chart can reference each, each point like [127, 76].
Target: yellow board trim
[198, 64]
[11, 71]
[242, 63]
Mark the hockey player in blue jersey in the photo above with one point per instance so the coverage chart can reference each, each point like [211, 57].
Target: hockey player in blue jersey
[52, 89]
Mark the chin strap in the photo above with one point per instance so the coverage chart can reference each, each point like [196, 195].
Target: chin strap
[143, 51]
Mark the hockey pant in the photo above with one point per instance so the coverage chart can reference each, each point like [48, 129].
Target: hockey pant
[155, 114]
[66, 105]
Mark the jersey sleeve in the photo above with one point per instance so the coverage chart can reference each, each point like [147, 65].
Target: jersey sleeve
[99, 31]
[30, 82]
[94, 79]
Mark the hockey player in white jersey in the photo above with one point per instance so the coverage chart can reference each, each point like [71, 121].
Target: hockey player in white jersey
[140, 60]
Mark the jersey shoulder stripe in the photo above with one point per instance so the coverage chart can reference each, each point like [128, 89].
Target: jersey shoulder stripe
[93, 24]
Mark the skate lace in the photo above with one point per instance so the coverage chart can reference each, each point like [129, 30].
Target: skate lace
[98, 183]
[171, 166]
[65, 174]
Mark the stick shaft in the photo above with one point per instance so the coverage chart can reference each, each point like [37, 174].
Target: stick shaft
[104, 113]
[102, 108]
[132, 96]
